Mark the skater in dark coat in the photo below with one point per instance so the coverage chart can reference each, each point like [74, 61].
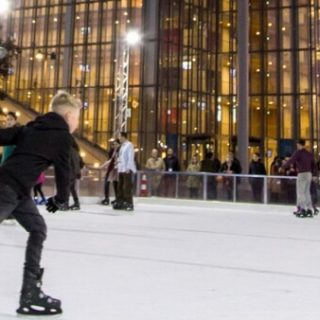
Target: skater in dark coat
[211, 164]
[305, 164]
[172, 164]
[41, 143]
[257, 168]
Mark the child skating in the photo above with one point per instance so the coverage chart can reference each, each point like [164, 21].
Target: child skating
[41, 143]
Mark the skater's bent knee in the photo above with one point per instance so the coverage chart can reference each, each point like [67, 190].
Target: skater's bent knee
[38, 236]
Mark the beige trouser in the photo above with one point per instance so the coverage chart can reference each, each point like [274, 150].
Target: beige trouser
[303, 190]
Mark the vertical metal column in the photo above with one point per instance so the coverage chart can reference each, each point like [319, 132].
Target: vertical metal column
[243, 83]
[205, 182]
[121, 88]
[234, 183]
[265, 190]
[68, 45]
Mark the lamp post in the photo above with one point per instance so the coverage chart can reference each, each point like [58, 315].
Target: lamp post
[122, 112]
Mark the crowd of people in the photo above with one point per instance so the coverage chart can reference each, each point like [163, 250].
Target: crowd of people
[162, 176]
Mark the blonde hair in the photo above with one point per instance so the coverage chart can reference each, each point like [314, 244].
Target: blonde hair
[64, 100]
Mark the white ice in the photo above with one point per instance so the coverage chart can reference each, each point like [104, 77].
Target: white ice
[173, 260]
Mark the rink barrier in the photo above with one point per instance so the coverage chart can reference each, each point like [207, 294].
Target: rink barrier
[198, 186]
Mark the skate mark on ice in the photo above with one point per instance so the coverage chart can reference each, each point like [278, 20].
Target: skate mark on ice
[177, 263]
[123, 213]
[104, 213]
[5, 316]
[235, 234]
[244, 235]
[122, 234]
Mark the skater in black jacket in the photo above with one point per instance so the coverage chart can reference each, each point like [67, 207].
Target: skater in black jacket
[256, 167]
[41, 143]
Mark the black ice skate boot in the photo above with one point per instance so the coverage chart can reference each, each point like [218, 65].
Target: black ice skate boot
[105, 202]
[75, 206]
[309, 213]
[302, 213]
[33, 301]
[118, 205]
[128, 206]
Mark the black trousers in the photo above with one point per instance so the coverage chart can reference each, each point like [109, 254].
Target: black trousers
[107, 188]
[125, 187]
[257, 189]
[26, 213]
[73, 191]
[37, 189]
[211, 188]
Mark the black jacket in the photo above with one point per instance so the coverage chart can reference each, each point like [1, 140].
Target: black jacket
[235, 167]
[208, 165]
[39, 144]
[257, 167]
[171, 163]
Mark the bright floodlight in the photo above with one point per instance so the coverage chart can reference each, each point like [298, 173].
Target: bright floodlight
[4, 6]
[133, 37]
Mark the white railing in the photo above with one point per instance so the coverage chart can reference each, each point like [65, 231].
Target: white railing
[198, 186]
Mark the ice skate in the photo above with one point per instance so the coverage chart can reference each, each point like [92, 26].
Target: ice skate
[118, 205]
[128, 206]
[33, 301]
[105, 202]
[64, 207]
[75, 206]
[309, 213]
[302, 213]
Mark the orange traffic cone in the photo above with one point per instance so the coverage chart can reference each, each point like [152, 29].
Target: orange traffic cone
[143, 186]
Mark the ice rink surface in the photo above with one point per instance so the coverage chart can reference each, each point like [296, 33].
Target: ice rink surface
[173, 260]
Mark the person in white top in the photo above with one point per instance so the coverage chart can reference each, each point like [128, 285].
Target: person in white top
[126, 168]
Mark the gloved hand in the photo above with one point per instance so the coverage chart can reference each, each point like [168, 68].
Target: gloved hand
[53, 205]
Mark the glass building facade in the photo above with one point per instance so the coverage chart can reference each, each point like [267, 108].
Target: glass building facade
[183, 76]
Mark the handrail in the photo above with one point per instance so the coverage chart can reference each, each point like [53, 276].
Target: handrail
[228, 187]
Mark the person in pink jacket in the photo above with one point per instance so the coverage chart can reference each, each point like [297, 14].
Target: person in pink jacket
[37, 189]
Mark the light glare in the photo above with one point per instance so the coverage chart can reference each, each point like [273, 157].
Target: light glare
[4, 6]
[133, 37]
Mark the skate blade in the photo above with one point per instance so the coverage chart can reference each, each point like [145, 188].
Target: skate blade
[39, 311]
[304, 216]
[40, 317]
